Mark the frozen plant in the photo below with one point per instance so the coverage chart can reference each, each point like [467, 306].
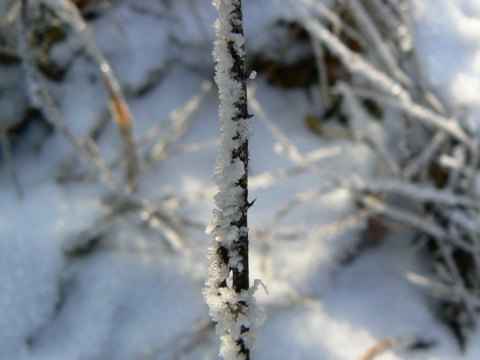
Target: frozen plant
[227, 292]
[69, 14]
[425, 178]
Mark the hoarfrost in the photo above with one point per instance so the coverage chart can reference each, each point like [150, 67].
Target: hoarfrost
[234, 309]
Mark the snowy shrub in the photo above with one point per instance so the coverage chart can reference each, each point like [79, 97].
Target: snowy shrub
[433, 168]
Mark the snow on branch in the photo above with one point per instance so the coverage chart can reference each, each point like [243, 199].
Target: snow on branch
[384, 53]
[418, 192]
[68, 12]
[227, 292]
[358, 65]
[431, 185]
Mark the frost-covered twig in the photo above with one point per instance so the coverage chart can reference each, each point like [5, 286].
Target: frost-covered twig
[174, 125]
[377, 206]
[417, 192]
[183, 343]
[434, 181]
[299, 199]
[354, 221]
[93, 133]
[180, 122]
[227, 292]
[394, 24]
[265, 179]
[384, 53]
[336, 21]
[288, 146]
[191, 148]
[69, 13]
[41, 97]
[357, 65]
[365, 128]
[426, 156]
[438, 289]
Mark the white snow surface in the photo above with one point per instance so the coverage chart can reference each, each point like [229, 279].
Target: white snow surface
[134, 296]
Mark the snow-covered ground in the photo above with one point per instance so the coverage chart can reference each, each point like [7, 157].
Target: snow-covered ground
[84, 276]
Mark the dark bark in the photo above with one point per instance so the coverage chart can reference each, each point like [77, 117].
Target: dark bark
[240, 276]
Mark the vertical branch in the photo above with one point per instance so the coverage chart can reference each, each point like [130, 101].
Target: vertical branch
[239, 154]
[227, 290]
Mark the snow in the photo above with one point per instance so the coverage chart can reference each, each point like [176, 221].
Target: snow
[450, 53]
[84, 278]
[31, 262]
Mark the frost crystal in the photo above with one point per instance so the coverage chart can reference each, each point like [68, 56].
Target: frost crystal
[227, 290]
